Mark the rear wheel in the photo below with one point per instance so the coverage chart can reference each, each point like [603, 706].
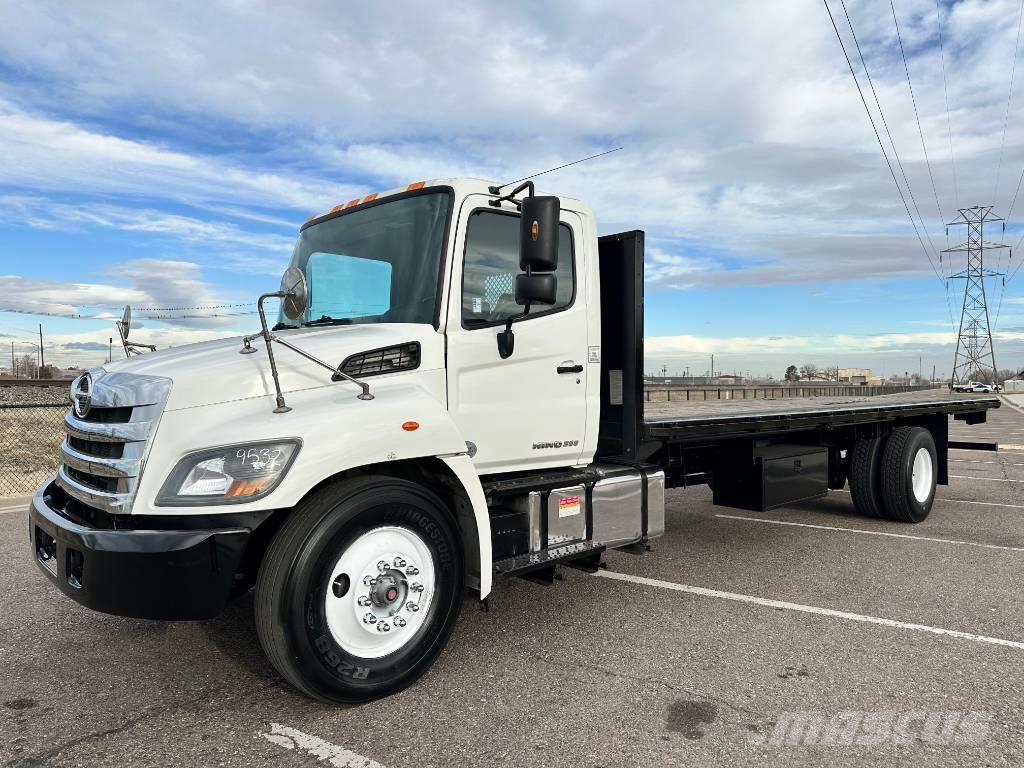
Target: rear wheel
[909, 474]
[360, 589]
[865, 476]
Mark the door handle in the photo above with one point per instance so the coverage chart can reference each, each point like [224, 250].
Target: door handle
[570, 367]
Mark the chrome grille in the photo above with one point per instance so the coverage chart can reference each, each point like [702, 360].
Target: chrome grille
[108, 431]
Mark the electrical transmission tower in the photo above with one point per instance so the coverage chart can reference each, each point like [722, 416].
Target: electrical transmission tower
[974, 352]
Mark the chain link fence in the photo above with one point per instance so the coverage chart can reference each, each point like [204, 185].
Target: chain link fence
[30, 437]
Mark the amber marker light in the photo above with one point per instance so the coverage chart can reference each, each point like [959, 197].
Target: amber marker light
[411, 426]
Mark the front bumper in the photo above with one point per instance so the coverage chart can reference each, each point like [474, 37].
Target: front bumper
[147, 574]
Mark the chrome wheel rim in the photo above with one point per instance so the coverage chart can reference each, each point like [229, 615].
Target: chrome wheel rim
[379, 592]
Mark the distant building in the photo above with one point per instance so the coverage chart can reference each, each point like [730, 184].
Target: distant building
[863, 376]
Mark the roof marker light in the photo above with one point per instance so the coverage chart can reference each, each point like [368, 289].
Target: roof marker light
[370, 198]
[415, 185]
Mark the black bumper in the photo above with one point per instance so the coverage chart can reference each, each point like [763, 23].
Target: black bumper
[147, 574]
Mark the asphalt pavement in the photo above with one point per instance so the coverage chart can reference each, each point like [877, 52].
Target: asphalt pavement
[801, 636]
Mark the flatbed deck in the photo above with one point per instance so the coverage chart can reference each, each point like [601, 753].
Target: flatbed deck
[698, 420]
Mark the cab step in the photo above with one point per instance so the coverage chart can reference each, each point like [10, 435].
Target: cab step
[539, 567]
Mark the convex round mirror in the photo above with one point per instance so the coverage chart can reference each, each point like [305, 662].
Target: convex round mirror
[126, 320]
[293, 285]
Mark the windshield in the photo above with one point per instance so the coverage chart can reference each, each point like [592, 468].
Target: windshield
[376, 265]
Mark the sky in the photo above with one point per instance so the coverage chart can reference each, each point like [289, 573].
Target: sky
[164, 155]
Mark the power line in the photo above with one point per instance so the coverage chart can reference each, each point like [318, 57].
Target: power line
[885, 154]
[885, 124]
[913, 100]
[1009, 98]
[79, 316]
[949, 121]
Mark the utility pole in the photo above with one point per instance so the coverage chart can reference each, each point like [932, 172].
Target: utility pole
[712, 365]
[42, 357]
[14, 368]
[974, 351]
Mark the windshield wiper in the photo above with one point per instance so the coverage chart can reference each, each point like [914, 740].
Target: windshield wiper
[328, 320]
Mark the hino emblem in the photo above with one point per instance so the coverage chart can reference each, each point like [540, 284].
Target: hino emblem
[540, 446]
[81, 395]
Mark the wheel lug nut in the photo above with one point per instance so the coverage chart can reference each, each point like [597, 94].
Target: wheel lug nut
[382, 566]
[369, 618]
[364, 601]
[412, 570]
[399, 562]
[411, 606]
[416, 587]
[369, 580]
[383, 627]
[399, 621]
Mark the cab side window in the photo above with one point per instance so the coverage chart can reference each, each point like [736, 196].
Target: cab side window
[492, 263]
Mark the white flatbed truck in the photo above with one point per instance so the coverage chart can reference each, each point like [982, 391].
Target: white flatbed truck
[452, 392]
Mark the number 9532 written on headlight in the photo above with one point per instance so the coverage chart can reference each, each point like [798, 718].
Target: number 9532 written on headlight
[229, 474]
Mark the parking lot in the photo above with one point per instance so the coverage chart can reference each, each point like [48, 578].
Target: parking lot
[692, 653]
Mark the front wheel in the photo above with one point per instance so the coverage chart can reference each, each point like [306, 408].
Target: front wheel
[360, 589]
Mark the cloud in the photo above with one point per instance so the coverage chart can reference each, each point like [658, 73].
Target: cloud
[43, 213]
[748, 162]
[85, 346]
[175, 286]
[59, 155]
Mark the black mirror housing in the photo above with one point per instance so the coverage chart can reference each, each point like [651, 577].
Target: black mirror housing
[538, 242]
[535, 289]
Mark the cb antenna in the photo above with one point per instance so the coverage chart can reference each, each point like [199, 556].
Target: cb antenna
[496, 190]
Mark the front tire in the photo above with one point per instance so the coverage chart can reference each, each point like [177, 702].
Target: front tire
[909, 474]
[360, 589]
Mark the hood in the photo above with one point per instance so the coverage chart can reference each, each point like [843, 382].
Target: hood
[216, 371]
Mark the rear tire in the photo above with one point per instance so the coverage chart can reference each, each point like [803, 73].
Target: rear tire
[360, 547]
[909, 472]
[866, 477]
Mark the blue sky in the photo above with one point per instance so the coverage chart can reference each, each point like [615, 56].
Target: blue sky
[165, 156]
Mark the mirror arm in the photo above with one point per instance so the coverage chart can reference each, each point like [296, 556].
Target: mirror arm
[364, 395]
[269, 338]
[511, 196]
[507, 339]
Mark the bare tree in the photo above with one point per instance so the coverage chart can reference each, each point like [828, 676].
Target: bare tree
[809, 371]
[1006, 373]
[26, 366]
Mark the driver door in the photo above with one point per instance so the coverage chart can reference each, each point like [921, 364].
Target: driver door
[529, 410]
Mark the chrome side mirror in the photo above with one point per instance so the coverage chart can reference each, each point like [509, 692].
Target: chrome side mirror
[295, 293]
[126, 321]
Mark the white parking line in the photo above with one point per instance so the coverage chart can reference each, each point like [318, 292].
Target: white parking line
[786, 606]
[324, 751]
[871, 533]
[989, 461]
[989, 479]
[956, 501]
[1003, 448]
[10, 510]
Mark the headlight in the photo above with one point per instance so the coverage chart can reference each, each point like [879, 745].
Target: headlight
[232, 474]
